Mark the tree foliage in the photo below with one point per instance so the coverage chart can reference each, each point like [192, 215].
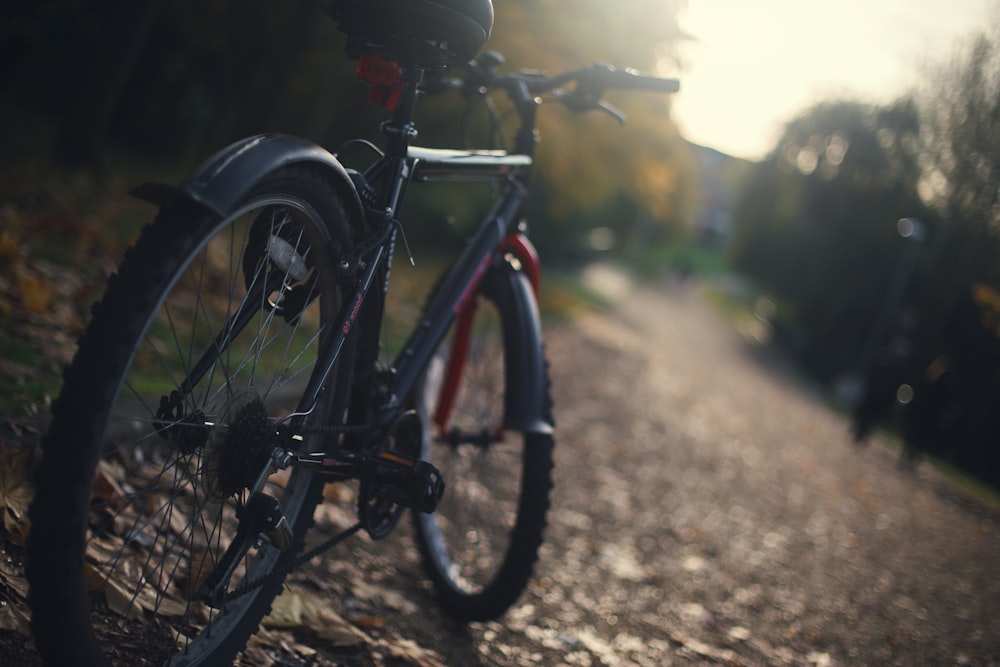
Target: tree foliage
[817, 225]
[179, 79]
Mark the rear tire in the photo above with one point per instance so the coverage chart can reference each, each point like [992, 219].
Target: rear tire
[143, 476]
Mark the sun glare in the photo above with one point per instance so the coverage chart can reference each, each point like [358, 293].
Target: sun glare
[752, 66]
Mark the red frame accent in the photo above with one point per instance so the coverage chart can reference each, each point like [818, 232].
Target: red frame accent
[521, 247]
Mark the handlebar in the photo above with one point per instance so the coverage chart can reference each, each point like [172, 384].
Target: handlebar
[631, 80]
[482, 76]
[578, 90]
[599, 77]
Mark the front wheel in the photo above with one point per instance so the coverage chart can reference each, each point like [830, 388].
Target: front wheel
[479, 547]
[149, 541]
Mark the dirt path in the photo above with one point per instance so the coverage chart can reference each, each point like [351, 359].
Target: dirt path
[708, 510]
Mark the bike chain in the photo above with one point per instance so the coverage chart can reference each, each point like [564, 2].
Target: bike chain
[283, 572]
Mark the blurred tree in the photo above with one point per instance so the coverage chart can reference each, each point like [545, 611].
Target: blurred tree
[961, 120]
[617, 178]
[106, 64]
[817, 225]
[174, 81]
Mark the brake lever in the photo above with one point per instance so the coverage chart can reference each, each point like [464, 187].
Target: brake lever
[612, 111]
[580, 100]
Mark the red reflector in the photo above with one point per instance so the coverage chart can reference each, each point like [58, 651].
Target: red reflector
[378, 70]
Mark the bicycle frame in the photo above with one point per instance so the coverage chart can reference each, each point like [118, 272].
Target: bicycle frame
[227, 176]
[497, 233]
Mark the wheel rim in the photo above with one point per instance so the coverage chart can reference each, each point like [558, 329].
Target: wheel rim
[162, 512]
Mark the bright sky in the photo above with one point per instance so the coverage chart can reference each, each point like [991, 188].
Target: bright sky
[758, 63]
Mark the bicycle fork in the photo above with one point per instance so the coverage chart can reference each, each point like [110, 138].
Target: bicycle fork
[519, 247]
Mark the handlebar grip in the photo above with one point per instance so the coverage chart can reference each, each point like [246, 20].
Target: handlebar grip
[631, 80]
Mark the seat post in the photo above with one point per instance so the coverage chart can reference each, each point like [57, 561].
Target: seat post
[400, 129]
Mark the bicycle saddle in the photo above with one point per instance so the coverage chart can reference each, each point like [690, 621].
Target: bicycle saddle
[420, 29]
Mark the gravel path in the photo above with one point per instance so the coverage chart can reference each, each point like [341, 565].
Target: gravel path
[709, 509]
[756, 528]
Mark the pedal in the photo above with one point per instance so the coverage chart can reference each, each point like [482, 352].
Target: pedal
[409, 482]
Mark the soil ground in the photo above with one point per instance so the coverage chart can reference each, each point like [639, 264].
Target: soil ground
[709, 509]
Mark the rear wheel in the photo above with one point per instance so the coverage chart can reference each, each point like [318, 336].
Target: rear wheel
[479, 547]
[167, 425]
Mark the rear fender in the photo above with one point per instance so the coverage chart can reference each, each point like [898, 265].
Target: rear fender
[226, 177]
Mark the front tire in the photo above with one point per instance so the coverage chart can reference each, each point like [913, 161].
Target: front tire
[480, 546]
[153, 451]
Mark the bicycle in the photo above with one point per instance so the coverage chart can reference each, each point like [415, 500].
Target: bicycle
[233, 367]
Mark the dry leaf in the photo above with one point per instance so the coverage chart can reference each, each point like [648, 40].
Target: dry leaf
[404, 649]
[297, 608]
[338, 493]
[280, 478]
[383, 596]
[14, 618]
[13, 578]
[122, 596]
[15, 491]
[162, 507]
[106, 482]
[286, 611]
[369, 622]
[35, 293]
[120, 599]
[255, 656]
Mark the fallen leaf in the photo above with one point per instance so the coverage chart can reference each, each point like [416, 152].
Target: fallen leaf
[255, 656]
[120, 599]
[338, 493]
[14, 618]
[298, 608]
[13, 578]
[286, 611]
[405, 649]
[124, 598]
[383, 596]
[106, 482]
[369, 622]
[15, 491]
[35, 293]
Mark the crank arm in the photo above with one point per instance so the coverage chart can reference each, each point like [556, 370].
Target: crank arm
[407, 481]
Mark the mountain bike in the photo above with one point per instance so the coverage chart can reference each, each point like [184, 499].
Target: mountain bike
[235, 366]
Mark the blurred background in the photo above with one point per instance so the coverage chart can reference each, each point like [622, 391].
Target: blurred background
[856, 223]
